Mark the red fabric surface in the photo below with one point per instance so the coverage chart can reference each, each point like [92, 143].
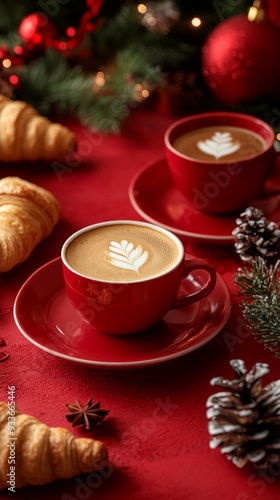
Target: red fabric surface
[150, 459]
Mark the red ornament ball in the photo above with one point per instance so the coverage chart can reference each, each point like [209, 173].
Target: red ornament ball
[241, 60]
[37, 29]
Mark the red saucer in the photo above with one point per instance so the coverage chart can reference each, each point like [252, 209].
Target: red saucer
[154, 196]
[45, 317]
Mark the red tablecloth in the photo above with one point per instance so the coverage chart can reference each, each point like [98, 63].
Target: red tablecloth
[170, 459]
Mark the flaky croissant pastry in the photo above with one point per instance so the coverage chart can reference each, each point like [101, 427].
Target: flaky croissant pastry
[28, 214]
[43, 454]
[26, 135]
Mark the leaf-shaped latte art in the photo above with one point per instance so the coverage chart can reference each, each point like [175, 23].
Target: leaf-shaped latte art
[125, 255]
[220, 144]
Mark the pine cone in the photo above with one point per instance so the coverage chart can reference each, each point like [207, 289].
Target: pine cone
[255, 235]
[245, 423]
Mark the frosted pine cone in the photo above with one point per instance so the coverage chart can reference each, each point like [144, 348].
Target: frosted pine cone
[255, 235]
[245, 423]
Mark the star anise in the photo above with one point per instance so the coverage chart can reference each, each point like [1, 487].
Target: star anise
[88, 416]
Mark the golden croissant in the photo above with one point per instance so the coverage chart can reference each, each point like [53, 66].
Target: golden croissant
[28, 214]
[26, 135]
[41, 454]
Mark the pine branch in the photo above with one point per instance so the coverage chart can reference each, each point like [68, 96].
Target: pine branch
[125, 29]
[134, 65]
[117, 32]
[49, 81]
[260, 288]
[260, 280]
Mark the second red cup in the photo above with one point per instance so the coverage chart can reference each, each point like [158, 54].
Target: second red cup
[220, 160]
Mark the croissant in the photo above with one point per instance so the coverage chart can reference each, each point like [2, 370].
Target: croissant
[41, 454]
[26, 135]
[28, 214]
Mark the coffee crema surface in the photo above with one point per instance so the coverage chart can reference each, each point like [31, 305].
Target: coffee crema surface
[122, 252]
[220, 144]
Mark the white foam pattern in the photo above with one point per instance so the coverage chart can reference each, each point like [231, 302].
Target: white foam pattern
[125, 255]
[220, 144]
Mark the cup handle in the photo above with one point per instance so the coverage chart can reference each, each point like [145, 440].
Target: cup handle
[207, 287]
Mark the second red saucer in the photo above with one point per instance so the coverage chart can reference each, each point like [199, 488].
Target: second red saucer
[154, 196]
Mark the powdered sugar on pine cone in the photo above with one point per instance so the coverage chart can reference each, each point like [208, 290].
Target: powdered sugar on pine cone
[245, 422]
[255, 235]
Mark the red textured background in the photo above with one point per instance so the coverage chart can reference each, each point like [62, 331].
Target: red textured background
[151, 458]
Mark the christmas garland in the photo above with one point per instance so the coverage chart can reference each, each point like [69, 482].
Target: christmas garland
[97, 71]
[99, 59]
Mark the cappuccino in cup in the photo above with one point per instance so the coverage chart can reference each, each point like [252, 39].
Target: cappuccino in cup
[220, 143]
[122, 253]
[124, 276]
[220, 161]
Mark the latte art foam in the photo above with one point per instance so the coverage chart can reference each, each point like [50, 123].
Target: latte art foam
[220, 143]
[125, 255]
[122, 252]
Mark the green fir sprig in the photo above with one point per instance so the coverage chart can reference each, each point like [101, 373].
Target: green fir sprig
[259, 286]
[49, 81]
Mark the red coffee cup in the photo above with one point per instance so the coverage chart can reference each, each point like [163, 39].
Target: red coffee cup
[227, 185]
[124, 306]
